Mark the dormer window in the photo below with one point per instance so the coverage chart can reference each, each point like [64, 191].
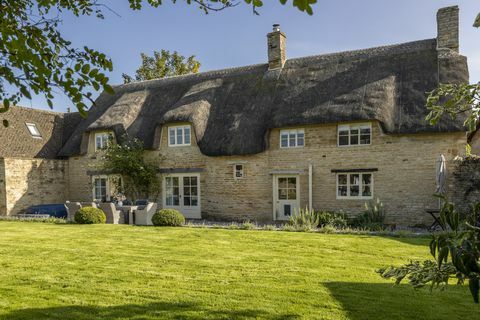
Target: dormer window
[102, 140]
[292, 138]
[32, 128]
[179, 136]
[355, 134]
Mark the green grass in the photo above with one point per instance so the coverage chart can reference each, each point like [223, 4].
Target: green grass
[122, 272]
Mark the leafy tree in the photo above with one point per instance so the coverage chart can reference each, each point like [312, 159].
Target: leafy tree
[456, 251]
[36, 59]
[163, 64]
[127, 160]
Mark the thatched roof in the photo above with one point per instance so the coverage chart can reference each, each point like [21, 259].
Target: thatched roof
[232, 110]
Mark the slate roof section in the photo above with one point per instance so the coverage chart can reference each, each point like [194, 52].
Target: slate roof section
[17, 142]
[232, 110]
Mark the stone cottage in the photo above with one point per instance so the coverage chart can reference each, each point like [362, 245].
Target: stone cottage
[327, 132]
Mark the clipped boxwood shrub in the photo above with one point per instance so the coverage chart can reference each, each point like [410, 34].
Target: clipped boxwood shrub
[168, 218]
[89, 215]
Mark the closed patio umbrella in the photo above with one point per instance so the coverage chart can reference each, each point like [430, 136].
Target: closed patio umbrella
[441, 175]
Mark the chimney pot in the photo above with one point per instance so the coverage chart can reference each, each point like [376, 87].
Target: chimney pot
[276, 27]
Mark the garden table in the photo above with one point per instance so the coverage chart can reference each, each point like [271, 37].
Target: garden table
[434, 213]
[129, 213]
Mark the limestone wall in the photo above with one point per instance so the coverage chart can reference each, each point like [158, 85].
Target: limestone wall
[3, 195]
[33, 181]
[404, 178]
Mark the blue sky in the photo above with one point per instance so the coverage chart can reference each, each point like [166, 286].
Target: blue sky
[236, 37]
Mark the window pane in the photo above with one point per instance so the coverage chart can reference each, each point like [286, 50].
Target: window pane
[354, 179]
[292, 138]
[187, 135]
[354, 138]
[186, 181]
[193, 191]
[300, 139]
[194, 201]
[179, 136]
[175, 181]
[282, 194]
[367, 191]
[354, 191]
[366, 178]
[186, 191]
[365, 139]
[176, 201]
[342, 191]
[186, 201]
[284, 140]
[292, 182]
[193, 181]
[292, 194]
[169, 201]
[282, 182]
[343, 140]
[342, 179]
[172, 136]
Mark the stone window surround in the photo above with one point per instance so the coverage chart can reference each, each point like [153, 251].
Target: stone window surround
[348, 127]
[101, 135]
[297, 133]
[238, 171]
[175, 128]
[348, 173]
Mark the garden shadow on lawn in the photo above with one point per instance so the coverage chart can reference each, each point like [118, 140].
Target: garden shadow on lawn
[366, 301]
[156, 310]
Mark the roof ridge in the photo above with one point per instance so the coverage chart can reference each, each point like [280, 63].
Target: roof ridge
[40, 110]
[386, 49]
[194, 75]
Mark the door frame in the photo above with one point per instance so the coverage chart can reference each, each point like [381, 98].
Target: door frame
[188, 215]
[275, 192]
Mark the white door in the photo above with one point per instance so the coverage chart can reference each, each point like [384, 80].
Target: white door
[286, 196]
[182, 192]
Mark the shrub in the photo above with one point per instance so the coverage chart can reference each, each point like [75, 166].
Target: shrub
[247, 225]
[327, 218]
[89, 215]
[269, 227]
[304, 219]
[168, 218]
[372, 218]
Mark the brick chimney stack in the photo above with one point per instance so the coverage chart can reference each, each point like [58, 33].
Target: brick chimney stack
[276, 48]
[447, 28]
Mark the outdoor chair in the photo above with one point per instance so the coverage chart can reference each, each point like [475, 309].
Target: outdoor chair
[144, 216]
[72, 207]
[113, 215]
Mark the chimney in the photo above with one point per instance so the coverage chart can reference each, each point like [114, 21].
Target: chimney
[276, 48]
[447, 28]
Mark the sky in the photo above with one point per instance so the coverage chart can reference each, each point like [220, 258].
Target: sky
[236, 37]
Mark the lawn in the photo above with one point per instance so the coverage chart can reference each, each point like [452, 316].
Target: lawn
[122, 272]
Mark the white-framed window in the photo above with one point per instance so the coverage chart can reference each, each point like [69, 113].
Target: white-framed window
[179, 136]
[102, 139]
[101, 189]
[354, 134]
[292, 138]
[355, 185]
[32, 128]
[238, 171]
